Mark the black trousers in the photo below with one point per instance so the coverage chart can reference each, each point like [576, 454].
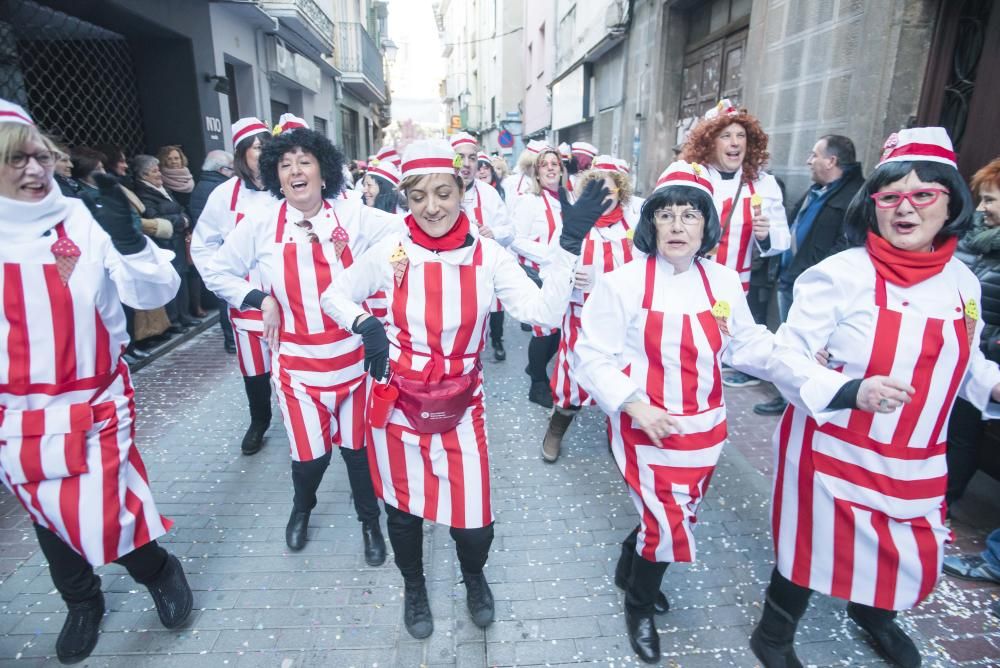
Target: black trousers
[794, 599]
[965, 435]
[541, 349]
[73, 575]
[306, 477]
[406, 533]
[224, 324]
[496, 327]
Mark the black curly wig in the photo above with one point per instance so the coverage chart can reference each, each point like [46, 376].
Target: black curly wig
[645, 231]
[331, 160]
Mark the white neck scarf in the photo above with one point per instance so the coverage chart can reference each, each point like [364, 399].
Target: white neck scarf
[26, 221]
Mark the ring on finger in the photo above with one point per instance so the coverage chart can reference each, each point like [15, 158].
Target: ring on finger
[883, 405]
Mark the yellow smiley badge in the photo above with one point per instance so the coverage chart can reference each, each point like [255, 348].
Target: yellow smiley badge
[721, 311]
[457, 161]
[630, 234]
[972, 309]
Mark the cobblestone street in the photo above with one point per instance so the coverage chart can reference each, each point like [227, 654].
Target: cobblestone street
[557, 539]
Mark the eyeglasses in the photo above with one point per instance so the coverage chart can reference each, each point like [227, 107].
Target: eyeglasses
[308, 227]
[689, 217]
[20, 160]
[919, 199]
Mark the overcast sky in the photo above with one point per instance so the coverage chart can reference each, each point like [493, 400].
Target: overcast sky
[419, 67]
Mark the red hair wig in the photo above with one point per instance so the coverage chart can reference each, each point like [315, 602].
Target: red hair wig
[700, 144]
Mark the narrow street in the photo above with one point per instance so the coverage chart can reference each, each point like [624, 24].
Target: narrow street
[558, 533]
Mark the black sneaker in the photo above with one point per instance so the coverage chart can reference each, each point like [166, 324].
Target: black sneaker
[775, 406]
[171, 594]
[889, 638]
[734, 378]
[78, 637]
[499, 354]
[479, 598]
[417, 611]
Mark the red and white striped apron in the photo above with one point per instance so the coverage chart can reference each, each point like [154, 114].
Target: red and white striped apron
[859, 501]
[475, 214]
[681, 374]
[67, 411]
[550, 220]
[736, 246]
[318, 367]
[440, 477]
[251, 349]
[604, 256]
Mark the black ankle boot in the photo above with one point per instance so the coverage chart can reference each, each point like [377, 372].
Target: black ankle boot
[642, 635]
[479, 598]
[499, 354]
[891, 640]
[417, 610]
[773, 640]
[661, 605]
[295, 532]
[374, 543]
[540, 393]
[80, 630]
[258, 389]
[171, 594]
[640, 596]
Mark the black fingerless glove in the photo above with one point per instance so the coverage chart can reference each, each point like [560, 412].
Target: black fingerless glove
[376, 346]
[577, 219]
[115, 215]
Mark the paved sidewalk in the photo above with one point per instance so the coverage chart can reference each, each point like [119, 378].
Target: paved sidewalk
[557, 540]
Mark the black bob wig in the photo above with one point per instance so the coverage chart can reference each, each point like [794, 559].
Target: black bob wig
[331, 160]
[860, 216]
[645, 232]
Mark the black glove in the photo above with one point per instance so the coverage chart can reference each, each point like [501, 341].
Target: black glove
[577, 219]
[376, 346]
[115, 215]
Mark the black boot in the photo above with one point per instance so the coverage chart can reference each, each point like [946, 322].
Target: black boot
[661, 605]
[295, 531]
[258, 390]
[644, 581]
[417, 610]
[540, 393]
[479, 598]
[499, 354]
[171, 594]
[891, 640]
[374, 543]
[773, 640]
[80, 630]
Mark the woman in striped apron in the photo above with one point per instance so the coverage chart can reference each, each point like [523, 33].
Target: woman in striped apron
[652, 338]
[226, 207]
[67, 409]
[430, 456]
[858, 510]
[537, 217]
[298, 247]
[607, 246]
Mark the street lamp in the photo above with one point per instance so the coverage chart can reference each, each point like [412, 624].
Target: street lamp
[390, 49]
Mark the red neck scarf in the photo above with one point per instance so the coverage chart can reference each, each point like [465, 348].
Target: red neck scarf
[609, 219]
[450, 240]
[907, 268]
[554, 193]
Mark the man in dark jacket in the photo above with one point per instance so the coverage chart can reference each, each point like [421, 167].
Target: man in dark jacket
[818, 223]
[217, 169]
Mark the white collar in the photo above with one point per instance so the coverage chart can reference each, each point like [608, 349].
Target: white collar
[26, 221]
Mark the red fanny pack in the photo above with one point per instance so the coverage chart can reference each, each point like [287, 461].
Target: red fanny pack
[438, 407]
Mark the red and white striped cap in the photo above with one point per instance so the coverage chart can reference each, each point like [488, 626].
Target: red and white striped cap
[564, 151]
[931, 144]
[389, 153]
[463, 138]
[428, 156]
[247, 127]
[14, 113]
[622, 165]
[483, 157]
[535, 146]
[289, 122]
[605, 163]
[386, 170]
[583, 148]
[725, 106]
[682, 173]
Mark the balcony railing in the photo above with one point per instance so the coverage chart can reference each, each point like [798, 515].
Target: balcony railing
[309, 15]
[360, 60]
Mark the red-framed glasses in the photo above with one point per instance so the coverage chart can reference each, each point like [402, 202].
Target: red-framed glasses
[923, 197]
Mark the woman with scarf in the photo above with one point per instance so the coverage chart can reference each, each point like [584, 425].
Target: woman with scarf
[177, 177]
[858, 508]
[227, 206]
[652, 339]
[298, 247]
[607, 246]
[67, 413]
[429, 450]
[537, 217]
